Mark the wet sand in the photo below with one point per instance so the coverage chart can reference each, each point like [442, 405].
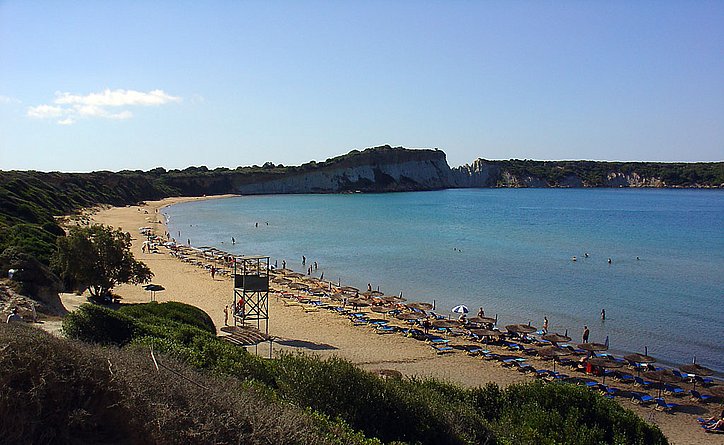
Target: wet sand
[326, 333]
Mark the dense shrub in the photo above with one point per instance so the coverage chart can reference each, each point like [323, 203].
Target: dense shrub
[96, 324]
[179, 312]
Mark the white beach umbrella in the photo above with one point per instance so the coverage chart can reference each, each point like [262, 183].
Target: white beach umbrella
[460, 309]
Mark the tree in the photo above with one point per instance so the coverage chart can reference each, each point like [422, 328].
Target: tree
[99, 258]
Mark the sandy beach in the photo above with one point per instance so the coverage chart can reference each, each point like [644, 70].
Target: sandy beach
[326, 333]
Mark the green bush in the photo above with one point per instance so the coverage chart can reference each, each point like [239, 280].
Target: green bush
[96, 324]
[178, 312]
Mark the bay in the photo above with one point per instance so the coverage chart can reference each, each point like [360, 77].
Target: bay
[509, 251]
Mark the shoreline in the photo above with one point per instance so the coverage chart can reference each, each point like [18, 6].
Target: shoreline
[325, 333]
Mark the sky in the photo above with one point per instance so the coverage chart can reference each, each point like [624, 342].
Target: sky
[101, 85]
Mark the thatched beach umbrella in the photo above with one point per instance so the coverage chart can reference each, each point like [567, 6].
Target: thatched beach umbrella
[153, 288]
[298, 286]
[392, 299]
[554, 353]
[556, 338]
[605, 363]
[696, 370]
[482, 320]
[411, 316]
[445, 324]
[485, 332]
[358, 302]
[639, 358]
[349, 289]
[661, 376]
[593, 347]
[420, 306]
[382, 309]
[520, 328]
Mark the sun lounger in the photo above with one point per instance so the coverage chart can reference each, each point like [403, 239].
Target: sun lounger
[673, 390]
[382, 329]
[638, 381]
[703, 381]
[442, 349]
[641, 398]
[625, 378]
[699, 397]
[437, 340]
[608, 391]
[661, 405]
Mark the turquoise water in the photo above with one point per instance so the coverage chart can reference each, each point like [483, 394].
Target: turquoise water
[510, 251]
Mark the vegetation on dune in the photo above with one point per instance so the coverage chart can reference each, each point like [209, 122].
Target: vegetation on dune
[421, 411]
[59, 392]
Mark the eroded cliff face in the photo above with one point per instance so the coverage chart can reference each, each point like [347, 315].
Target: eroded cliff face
[383, 169]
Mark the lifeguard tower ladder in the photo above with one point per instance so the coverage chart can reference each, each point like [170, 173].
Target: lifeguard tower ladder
[251, 291]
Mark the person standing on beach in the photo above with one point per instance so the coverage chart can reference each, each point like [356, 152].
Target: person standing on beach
[545, 324]
[586, 333]
[481, 312]
[226, 315]
[213, 272]
[304, 260]
[284, 264]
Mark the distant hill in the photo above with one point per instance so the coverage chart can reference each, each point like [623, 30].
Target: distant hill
[29, 200]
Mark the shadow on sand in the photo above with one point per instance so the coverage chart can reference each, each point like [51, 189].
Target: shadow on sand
[305, 344]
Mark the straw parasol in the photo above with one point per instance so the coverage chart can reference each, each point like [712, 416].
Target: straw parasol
[358, 302]
[420, 306]
[445, 324]
[482, 320]
[520, 328]
[485, 332]
[556, 338]
[661, 376]
[382, 309]
[639, 358]
[349, 289]
[697, 370]
[604, 363]
[153, 288]
[554, 353]
[298, 286]
[392, 299]
[593, 347]
[410, 316]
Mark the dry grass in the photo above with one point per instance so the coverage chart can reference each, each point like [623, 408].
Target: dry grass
[59, 391]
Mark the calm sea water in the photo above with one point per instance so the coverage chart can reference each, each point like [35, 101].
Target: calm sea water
[510, 251]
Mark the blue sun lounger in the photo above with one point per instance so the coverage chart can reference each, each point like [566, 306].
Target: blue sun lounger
[661, 405]
[641, 398]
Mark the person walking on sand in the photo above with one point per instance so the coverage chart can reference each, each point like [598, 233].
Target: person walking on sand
[226, 315]
[213, 272]
[586, 333]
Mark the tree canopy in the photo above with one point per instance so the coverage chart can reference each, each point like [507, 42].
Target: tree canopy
[98, 258]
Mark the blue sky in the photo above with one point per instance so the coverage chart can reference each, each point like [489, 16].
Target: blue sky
[96, 85]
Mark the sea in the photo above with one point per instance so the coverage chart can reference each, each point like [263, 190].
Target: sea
[510, 251]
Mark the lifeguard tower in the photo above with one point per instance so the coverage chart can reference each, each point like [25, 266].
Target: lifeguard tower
[251, 291]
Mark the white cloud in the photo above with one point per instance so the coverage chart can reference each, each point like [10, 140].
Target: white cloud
[96, 105]
[117, 98]
[5, 100]
[43, 111]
